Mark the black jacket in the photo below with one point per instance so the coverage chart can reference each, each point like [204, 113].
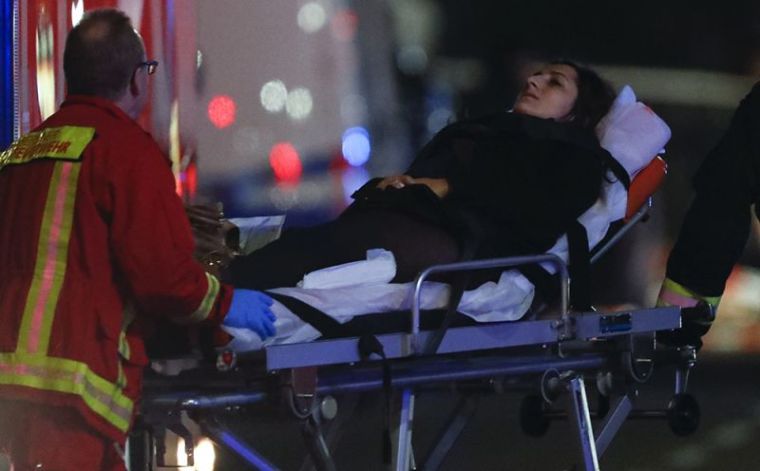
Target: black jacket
[516, 182]
[717, 223]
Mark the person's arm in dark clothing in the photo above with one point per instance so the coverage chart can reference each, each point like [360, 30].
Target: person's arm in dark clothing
[717, 225]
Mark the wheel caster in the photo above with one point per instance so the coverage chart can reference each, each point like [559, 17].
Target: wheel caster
[533, 421]
[683, 414]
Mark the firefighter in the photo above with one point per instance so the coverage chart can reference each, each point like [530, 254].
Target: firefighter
[717, 224]
[93, 242]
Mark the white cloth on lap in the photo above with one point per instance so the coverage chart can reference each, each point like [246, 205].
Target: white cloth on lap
[378, 267]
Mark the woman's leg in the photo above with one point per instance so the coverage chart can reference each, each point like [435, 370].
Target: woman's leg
[415, 244]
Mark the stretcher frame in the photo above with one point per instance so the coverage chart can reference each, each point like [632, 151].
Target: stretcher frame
[617, 344]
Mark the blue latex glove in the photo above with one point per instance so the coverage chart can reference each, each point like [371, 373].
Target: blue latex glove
[251, 310]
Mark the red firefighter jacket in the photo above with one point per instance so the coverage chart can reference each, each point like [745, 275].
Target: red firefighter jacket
[92, 239]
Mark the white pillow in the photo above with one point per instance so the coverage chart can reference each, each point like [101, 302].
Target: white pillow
[632, 132]
[634, 135]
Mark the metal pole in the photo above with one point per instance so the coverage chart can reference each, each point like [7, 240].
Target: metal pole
[583, 424]
[404, 441]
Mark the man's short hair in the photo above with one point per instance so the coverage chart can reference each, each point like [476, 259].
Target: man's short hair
[101, 54]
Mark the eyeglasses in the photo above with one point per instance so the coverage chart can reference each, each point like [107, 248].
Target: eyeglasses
[151, 65]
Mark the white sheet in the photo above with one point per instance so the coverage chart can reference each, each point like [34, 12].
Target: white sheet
[505, 300]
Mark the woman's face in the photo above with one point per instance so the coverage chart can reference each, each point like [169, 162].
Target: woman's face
[549, 93]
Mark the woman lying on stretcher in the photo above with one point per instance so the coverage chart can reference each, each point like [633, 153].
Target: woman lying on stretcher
[502, 185]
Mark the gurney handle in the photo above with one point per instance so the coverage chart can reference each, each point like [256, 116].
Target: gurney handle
[506, 262]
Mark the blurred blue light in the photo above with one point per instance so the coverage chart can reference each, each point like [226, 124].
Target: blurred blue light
[353, 179]
[356, 147]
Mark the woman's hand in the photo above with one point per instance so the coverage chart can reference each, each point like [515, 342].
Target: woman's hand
[439, 186]
[395, 181]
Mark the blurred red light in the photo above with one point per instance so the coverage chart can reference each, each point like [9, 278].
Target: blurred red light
[344, 25]
[285, 162]
[191, 179]
[221, 111]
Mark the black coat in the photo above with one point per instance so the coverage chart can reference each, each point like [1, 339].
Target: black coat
[717, 224]
[516, 182]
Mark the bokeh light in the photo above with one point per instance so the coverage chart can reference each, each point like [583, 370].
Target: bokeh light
[439, 118]
[284, 197]
[312, 17]
[205, 455]
[273, 96]
[222, 111]
[246, 140]
[352, 179]
[77, 12]
[353, 108]
[412, 60]
[344, 25]
[356, 146]
[285, 162]
[45, 47]
[299, 103]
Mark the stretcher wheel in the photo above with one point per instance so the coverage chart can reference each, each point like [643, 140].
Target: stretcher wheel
[683, 414]
[533, 421]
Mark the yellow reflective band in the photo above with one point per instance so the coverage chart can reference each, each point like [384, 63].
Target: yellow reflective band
[204, 309]
[64, 143]
[68, 376]
[52, 256]
[673, 293]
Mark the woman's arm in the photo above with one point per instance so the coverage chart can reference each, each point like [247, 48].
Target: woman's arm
[530, 189]
[439, 186]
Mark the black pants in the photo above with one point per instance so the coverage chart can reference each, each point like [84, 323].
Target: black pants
[415, 244]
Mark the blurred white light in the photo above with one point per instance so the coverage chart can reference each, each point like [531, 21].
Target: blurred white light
[299, 103]
[353, 109]
[181, 455]
[284, 197]
[313, 195]
[273, 96]
[205, 455]
[356, 146]
[77, 12]
[312, 17]
[439, 118]
[246, 140]
[198, 58]
[412, 60]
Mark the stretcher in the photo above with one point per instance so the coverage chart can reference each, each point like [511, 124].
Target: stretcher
[557, 353]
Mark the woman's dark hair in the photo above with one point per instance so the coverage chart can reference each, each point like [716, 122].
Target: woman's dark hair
[101, 54]
[595, 95]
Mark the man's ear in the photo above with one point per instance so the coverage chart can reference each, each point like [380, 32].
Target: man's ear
[134, 87]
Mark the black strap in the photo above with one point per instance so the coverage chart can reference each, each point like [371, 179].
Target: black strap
[329, 327]
[369, 345]
[618, 170]
[580, 267]
[458, 286]
[544, 282]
